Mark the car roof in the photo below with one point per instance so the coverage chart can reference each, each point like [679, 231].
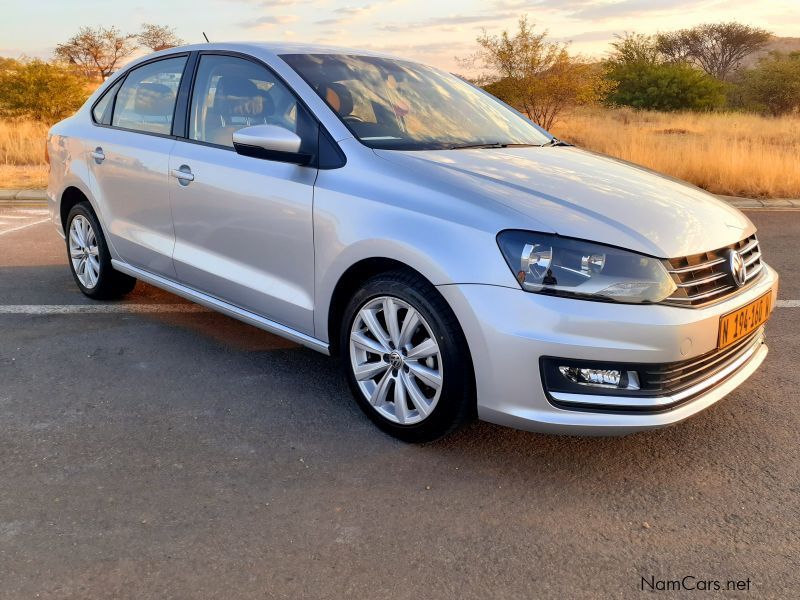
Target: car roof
[277, 48]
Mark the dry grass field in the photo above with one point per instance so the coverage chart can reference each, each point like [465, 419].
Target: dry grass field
[725, 153]
[22, 154]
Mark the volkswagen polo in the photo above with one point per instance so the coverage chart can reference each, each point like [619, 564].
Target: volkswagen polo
[459, 260]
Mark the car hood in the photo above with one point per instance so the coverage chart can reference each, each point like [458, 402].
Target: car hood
[581, 194]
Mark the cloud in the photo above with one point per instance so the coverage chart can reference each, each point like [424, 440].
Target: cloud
[345, 14]
[449, 22]
[627, 8]
[268, 21]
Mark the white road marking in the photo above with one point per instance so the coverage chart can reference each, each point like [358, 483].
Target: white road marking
[5, 231]
[788, 304]
[80, 309]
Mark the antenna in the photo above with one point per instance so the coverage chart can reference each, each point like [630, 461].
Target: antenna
[205, 36]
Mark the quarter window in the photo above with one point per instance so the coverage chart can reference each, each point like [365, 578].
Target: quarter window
[231, 93]
[146, 101]
[102, 110]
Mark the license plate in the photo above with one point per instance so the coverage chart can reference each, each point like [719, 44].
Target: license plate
[743, 321]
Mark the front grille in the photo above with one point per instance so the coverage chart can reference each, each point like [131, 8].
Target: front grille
[705, 278]
[668, 379]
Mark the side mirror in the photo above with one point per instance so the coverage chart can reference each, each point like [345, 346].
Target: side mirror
[271, 143]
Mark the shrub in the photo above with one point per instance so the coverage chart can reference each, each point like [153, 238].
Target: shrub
[773, 86]
[40, 91]
[665, 86]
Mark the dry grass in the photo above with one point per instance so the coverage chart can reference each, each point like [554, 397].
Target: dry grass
[725, 153]
[22, 154]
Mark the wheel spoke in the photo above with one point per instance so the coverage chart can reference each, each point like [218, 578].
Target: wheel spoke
[74, 238]
[84, 225]
[426, 375]
[410, 324]
[369, 370]
[368, 344]
[378, 396]
[418, 399]
[392, 320]
[400, 406]
[93, 251]
[423, 350]
[371, 321]
[75, 253]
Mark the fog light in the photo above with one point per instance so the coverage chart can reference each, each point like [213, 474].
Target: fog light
[605, 378]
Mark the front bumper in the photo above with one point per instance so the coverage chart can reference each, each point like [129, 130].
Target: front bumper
[509, 330]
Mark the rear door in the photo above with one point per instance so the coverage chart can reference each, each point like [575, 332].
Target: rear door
[129, 159]
[243, 225]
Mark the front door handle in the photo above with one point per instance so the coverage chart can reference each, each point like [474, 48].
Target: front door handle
[183, 174]
[98, 155]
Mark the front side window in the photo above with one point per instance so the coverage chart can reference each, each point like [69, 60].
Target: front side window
[231, 93]
[146, 100]
[400, 105]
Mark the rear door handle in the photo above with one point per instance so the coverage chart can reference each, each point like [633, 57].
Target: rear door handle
[98, 155]
[183, 174]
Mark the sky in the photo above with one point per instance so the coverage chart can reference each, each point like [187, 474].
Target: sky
[434, 32]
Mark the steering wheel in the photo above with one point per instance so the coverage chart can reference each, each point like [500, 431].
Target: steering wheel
[353, 118]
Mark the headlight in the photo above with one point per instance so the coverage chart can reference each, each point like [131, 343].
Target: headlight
[549, 264]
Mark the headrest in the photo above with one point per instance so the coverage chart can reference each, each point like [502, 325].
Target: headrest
[339, 98]
[154, 99]
[239, 96]
[237, 86]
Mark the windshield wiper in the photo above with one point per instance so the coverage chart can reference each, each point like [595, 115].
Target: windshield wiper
[491, 145]
[554, 141]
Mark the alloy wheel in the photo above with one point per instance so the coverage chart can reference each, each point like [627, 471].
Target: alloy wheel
[83, 251]
[396, 360]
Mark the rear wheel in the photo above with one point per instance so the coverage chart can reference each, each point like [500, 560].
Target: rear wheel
[406, 358]
[89, 258]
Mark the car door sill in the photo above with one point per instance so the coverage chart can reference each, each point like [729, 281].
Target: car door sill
[222, 306]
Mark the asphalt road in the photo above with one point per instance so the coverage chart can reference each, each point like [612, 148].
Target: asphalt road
[185, 455]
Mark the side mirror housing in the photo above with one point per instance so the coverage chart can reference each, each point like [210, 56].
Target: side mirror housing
[270, 142]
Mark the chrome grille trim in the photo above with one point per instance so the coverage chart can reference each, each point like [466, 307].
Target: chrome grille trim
[703, 279]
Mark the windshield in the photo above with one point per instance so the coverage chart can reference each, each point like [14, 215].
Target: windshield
[399, 105]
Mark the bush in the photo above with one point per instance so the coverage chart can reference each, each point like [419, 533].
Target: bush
[665, 86]
[773, 86]
[40, 91]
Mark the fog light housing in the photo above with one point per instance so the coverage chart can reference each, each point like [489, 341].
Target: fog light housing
[604, 378]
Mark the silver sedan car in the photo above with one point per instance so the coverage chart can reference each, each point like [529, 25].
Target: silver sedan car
[459, 260]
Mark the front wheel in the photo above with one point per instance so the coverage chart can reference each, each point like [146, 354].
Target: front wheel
[89, 258]
[406, 358]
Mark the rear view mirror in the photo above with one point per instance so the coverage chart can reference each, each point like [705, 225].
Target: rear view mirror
[271, 143]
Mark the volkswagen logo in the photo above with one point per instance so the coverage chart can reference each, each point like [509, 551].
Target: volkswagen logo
[737, 268]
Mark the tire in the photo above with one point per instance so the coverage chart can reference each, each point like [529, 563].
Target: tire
[89, 259]
[425, 347]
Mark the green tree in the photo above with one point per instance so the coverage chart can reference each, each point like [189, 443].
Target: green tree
[667, 86]
[634, 48]
[774, 85]
[41, 91]
[536, 75]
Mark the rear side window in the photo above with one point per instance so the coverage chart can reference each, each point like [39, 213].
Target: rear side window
[146, 101]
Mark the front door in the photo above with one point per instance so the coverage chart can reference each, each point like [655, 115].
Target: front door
[243, 225]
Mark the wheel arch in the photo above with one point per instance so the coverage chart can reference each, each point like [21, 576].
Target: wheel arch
[71, 196]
